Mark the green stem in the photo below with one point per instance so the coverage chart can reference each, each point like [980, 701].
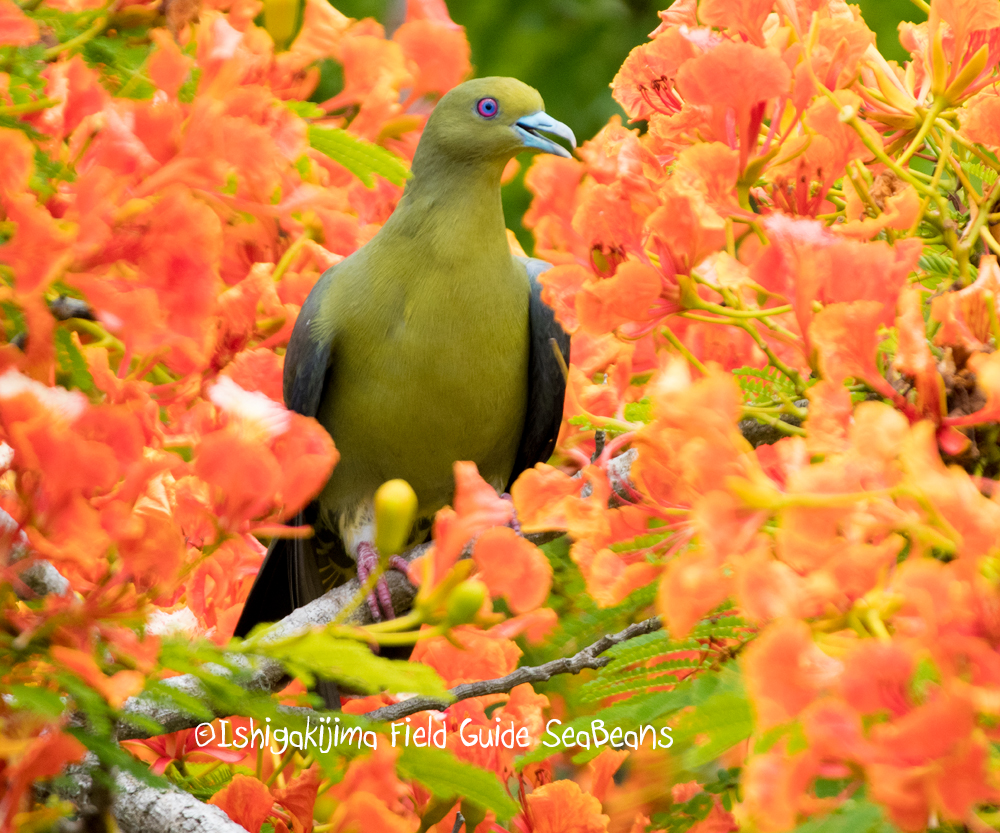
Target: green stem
[773, 421]
[88, 34]
[772, 359]
[676, 342]
[932, 114]
[877, 149]
[29, 107]
[990, 241]
[290, 253]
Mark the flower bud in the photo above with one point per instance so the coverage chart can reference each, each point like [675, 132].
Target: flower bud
[465, 602]
[395, 511]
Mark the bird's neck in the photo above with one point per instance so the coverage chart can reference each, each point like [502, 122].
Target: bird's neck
[461, 200]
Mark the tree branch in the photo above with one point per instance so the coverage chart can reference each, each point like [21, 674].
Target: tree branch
[589, 657]
[140, 808]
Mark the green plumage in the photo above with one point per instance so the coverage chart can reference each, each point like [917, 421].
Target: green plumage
[428, 345]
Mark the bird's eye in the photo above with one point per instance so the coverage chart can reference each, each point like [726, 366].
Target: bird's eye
[487, 107]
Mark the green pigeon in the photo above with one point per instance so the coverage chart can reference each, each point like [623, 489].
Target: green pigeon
[428, 345]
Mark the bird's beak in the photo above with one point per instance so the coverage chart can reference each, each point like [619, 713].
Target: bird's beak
[530, 128]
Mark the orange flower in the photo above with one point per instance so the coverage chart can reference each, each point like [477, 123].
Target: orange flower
[477, 508]
[264, 460]
[745, 16]
[160, 751]
[690, 588]
[603, 305]
[845, 337]
[116, 689]
[481, 655]
[645, 83]
[980, 118]
[513, 567]
[16, 28]
[246, 801]
[786, 671]
[964, 315]
[299, 798]
[736, 80]
[375, 774]
[562, 807]
[440, 52]
[364, 811]
[30, 760]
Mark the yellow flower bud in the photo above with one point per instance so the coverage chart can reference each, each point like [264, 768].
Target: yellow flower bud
[395, 511]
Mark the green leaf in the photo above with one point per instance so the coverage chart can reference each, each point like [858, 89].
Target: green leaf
[72, 364]
[34, 698]
[318, 652]
[445, 776]
[762, 386]
[636, 711]
[726, 720]
[305, 109]
[361, 158]
[641, 411]
[852, 817]
[110, 754]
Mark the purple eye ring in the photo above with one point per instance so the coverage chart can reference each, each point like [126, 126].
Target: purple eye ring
[487, 107]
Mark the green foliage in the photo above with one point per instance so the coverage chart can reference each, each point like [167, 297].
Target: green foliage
[683, 816]
[654, 660]
[445, 776]
[317, 652]
[73, 370]
[640, 664]
[978, 171]
[121, 59]
[854, 816]
[581, 621]
[763, 386]
[641, 411]
[361, 158]
[203, 786]
[647, 708]
[940, 267]
[724, 719]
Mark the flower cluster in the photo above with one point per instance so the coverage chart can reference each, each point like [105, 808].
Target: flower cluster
[781, 284]
[801, 237]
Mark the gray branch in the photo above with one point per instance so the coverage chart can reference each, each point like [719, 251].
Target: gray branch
[589, 657]
[264, 674]
[140, 808]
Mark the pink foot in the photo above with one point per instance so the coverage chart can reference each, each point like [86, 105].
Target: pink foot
[514, 524]
[380, 597]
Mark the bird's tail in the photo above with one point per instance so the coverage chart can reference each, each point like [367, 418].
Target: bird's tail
[289, 578]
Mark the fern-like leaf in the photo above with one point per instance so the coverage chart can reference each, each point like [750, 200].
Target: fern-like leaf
[762, 385]
[361, 158]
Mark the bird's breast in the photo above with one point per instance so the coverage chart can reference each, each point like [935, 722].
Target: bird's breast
[431, 372]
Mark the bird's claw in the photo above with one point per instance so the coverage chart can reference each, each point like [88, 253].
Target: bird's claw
[514, 523]
[379, 599]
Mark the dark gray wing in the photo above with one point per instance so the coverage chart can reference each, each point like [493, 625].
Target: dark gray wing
[307, 361]
[546, 382]
[289, 576]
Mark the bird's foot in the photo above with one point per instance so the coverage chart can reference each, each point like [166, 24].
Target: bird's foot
[514, 523]
[380, 599]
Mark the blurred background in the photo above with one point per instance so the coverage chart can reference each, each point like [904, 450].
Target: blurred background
[569, 50]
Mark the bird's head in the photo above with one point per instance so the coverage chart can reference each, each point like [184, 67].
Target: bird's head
[493, 119]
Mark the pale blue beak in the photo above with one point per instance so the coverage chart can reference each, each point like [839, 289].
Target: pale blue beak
[529, 131]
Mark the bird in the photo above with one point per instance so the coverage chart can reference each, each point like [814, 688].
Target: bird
[428, 345]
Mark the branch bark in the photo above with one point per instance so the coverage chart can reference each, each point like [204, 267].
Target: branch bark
[140, 808]
[589, 657]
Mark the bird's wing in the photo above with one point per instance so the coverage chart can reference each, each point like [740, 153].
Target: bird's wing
[546, 378]
[308, 359]
[289, 576]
